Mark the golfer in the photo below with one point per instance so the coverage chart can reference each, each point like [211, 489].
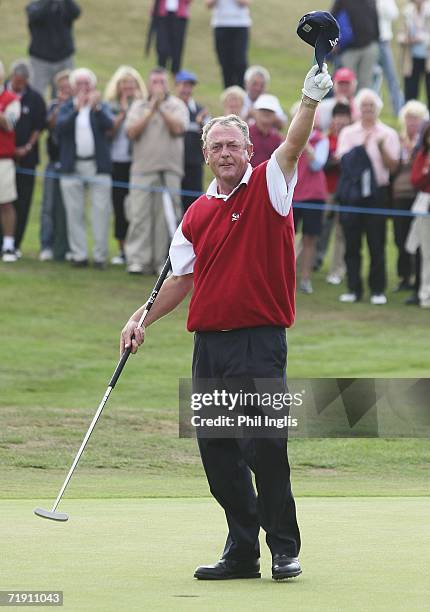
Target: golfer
[235, 251]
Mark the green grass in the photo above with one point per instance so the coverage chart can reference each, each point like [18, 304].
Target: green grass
[140, 517]
[130, 555]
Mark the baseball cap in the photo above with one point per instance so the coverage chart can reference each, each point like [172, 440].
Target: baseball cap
[185, 76]
[320, 30]
[267, 102]
[344, 75]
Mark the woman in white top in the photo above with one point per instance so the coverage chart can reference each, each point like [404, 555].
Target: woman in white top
[414, 38]
[125, 86]
[231, 21]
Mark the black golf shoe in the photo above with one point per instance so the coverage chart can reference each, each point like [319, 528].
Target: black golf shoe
[228, 569]
[285, 567]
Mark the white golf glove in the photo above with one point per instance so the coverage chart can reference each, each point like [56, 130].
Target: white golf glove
[316, 86]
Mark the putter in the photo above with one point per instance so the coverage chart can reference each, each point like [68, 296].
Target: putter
[53, 515]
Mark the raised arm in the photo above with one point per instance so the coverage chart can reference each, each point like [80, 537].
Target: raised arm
[316, 86]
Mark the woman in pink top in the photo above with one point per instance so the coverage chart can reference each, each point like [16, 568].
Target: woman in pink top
[170, 18]
[311, 188]
[382, 145]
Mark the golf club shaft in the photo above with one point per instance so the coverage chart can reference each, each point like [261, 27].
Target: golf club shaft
[119, 368]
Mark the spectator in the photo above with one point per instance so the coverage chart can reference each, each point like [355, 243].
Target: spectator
[53, 227]
[170, 18]
[414, 38]
[231, 21]
[28, 128]
[419, 236]
[83, 124]
[257, 80]
[156, 125]
[344, 90]
[51, 45]
[311, 188]
[198, 116]
[387, 13]
[341, 117]
[232, 100]
[125, 87]
[361, 55]
[412, 116]
[10, 109]
[383, 149]
[263, 134]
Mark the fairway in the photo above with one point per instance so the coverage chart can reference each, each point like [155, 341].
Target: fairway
[141, 515]
[130, 554]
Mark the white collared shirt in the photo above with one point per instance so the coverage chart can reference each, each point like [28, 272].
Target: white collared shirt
[84, 137]
[181, 251]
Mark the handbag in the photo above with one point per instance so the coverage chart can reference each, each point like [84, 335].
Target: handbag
[402, 186]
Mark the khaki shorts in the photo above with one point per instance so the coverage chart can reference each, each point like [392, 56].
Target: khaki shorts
[7, 181]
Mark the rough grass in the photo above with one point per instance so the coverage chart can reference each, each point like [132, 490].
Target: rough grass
[59, 327]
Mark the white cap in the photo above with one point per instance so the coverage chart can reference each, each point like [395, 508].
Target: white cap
[268, 102]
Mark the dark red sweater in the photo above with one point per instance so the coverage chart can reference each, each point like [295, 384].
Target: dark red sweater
[244, 273]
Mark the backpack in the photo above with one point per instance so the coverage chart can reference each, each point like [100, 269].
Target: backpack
[357, 184]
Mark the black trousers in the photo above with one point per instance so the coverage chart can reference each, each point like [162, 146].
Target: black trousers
[192, 181]
[240, 355]
[412, 83]
[170, 41]
[231, 46]
[24, 188]
[355, 226]
[121, 173]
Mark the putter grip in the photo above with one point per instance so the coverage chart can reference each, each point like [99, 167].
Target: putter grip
[121, 363]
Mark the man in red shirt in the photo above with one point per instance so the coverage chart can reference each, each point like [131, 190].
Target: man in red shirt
[235, 250]
[10, 109]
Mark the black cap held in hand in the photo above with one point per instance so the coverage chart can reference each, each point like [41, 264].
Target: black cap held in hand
[320, 30]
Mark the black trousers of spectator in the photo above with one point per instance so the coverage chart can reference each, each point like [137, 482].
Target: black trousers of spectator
[231, 46]
[234, 358]
[120, 173]
[412, 83]
[355, 226]
[24, 188]
[405, 261]
[192, 181]
[170, 41]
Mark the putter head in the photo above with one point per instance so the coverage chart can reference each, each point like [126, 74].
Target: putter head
[53, 516]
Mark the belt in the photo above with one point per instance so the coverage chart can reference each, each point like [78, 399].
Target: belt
[85, 158]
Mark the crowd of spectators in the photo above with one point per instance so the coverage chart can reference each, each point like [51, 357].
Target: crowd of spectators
[136, 147]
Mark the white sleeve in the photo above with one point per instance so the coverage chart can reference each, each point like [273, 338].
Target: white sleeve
[12, 113]
[281, 194]
[182, 254]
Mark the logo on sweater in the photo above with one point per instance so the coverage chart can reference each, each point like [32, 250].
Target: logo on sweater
[235, 216]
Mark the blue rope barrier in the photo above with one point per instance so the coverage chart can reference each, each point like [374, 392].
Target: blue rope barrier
[388, 212]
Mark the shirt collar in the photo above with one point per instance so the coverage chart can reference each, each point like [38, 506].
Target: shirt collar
[212, 191]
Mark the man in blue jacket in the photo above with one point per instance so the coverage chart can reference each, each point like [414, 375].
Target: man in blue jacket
[83, 125]
[51, 45]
